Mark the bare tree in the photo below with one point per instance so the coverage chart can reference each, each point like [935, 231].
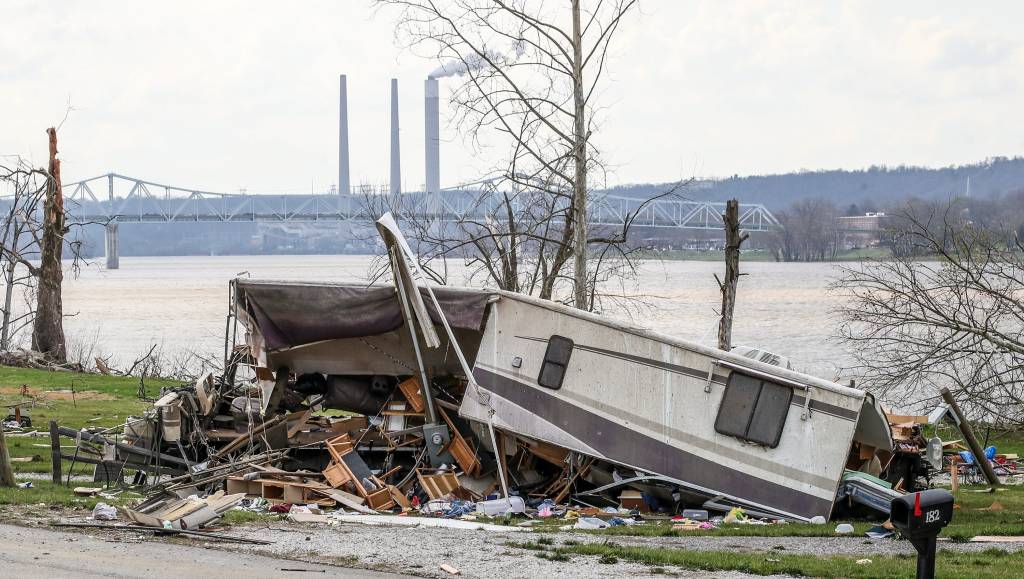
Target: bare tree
[957, 321]
[531, 72]
[809, 232]
[23, 189]
[733, 240]
[48, 327]
[35, 230]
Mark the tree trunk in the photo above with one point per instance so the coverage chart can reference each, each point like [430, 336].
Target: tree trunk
[6, 474]
[733, 241]
[48, 326]
[5, 337]
[579, 208]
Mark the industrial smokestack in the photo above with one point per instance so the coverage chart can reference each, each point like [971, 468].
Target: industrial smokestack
[433, 137]
[343, 180]
[396, 156]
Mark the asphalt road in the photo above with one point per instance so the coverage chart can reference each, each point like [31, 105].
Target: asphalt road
[40, 552]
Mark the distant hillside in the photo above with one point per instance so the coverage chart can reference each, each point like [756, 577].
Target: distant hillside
[874, 186]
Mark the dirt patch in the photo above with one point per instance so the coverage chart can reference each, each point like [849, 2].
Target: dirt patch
[15, 391]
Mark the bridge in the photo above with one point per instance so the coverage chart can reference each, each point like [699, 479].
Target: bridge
[112, 199]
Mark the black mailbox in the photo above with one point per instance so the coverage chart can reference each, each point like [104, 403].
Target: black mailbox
[920, 517]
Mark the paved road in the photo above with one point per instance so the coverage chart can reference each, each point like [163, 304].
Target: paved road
[40, 552]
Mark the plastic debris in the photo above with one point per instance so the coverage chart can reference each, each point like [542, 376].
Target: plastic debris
[590, 524]
[104, 512]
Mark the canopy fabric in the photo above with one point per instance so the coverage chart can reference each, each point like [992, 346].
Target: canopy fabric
[291, 314]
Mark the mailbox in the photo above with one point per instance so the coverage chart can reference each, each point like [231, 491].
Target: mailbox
[922, 514]
[920, 517]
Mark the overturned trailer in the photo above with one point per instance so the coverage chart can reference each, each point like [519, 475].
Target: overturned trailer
[712, 426]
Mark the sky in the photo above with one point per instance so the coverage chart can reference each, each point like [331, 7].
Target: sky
[224, 95]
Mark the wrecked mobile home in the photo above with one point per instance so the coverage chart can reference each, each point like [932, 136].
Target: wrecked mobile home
[396, 396]
[627, 407]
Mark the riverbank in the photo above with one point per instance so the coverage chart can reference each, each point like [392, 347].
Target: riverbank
[761, 255]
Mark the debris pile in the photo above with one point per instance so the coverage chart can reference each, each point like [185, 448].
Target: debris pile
[459, 403]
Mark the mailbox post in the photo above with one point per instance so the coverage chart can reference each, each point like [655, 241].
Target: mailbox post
[920, 517]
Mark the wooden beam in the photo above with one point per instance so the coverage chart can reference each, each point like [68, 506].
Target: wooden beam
[55, 452]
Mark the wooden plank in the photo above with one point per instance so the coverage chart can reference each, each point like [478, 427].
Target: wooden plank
[299, 424]
[997, 539]
[238, 442]
[460, 448]
[399, 497]
[400, 413]
[347, 500]
[565, 492]
[548, 452]
[390, 472]
[411, 390]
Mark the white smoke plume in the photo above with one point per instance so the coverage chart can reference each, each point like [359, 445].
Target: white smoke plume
[471, 62]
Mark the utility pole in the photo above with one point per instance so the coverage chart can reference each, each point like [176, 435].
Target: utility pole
[733, 241]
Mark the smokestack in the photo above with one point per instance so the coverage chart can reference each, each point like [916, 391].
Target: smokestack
[396, 156]
[343, 181]
[433, 137]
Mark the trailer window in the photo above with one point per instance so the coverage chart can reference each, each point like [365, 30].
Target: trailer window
[754, 409]
[556, 360]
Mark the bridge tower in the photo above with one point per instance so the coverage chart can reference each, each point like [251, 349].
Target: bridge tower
[110, 237]
[113, 262]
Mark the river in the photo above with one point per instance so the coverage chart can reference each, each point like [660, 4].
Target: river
[180, 303]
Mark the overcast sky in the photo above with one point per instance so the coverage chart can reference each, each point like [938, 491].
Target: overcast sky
[223, 95]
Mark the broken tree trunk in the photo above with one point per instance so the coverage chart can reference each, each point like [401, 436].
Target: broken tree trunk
[6, 473]
[733, 241]
[48, 325]
[972, 441]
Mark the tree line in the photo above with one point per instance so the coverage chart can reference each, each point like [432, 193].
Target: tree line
[813, 229]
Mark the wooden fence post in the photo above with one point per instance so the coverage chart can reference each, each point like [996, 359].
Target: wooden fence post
[55, 452]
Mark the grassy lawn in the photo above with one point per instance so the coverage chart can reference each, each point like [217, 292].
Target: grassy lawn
[973, 516]
[990, 563]
[97, 401]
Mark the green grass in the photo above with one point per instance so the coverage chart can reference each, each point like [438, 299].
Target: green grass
[99, 401]
[46, 493]
[968, 521]
[990, 563]
[234, 517]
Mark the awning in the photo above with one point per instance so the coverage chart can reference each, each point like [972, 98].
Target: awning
[291, 314]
